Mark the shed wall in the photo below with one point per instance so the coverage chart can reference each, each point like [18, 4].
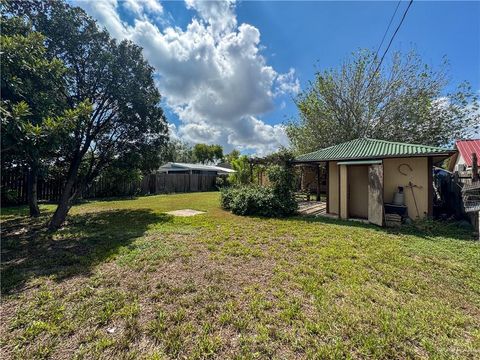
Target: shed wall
[418, 176]
[332, 187]
[343, 191]
[358, 191]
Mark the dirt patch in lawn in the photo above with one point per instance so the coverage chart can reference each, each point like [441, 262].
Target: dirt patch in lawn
[185, 212]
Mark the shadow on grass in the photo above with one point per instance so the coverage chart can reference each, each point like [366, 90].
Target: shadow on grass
[29, 250]
[426, 229]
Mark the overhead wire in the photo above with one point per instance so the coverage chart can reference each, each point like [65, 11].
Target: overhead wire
[390, 42]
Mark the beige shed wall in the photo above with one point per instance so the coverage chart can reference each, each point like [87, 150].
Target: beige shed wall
[418, 176]
[358, 191]
[332, 187]
[343, 191]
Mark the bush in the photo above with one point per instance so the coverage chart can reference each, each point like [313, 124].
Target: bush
[222, 181]
[257, 200]
[10, 197]
[276, 200]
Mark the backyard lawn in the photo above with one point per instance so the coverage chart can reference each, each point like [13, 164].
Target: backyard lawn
[125, 280]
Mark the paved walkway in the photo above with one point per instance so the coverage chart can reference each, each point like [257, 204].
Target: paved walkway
[312, 208]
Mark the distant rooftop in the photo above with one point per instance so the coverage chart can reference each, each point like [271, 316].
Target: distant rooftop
[364, 148]
[172, 166]
[466, 148]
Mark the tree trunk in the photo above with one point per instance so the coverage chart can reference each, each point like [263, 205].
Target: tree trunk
[32, 191]
[64, 204]
[67, 196]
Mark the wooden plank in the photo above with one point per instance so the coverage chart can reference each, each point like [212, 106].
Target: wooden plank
[375, 194]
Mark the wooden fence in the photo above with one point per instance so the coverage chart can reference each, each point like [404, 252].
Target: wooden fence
[14, 187]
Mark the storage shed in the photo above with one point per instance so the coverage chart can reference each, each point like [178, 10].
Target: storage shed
[364, 174]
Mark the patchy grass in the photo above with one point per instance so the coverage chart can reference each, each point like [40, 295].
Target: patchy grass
[125, 280]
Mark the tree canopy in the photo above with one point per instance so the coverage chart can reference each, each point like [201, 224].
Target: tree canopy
[204, 153]
[108, 84]
[404, 101]
[32, 108]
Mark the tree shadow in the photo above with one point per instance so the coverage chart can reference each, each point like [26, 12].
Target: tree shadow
[426, 229]
[29, 250]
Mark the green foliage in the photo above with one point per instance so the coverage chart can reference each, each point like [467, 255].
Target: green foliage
[282, 179]
[86, 68]
[204, 153]
[119, 181]
[242, 176]
[233, 155]
[222, 181]
[32, 108]
[403, 102]
[177, 151]
[256, 200]
[276, 200]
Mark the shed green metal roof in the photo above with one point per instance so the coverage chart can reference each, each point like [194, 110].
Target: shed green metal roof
[365, 148]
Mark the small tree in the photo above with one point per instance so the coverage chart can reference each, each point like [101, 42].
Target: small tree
[32, 104]
[242, 175]
[401, 102]
[233, 155]
[110, 82]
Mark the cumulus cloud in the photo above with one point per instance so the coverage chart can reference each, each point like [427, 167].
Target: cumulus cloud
[211, 73]
[288, 83]
[140, 7]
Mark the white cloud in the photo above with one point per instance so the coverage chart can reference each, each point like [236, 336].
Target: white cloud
[288, 83]
[140, 7]
[172, 131]
[211, 74]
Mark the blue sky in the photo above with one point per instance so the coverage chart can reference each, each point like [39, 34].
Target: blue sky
[322, 34]
[228, 71]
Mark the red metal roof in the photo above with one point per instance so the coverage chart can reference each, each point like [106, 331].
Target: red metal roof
[466, 148]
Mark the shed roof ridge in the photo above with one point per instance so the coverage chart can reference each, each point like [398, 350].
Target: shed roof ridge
[403, 143]
[366, 147]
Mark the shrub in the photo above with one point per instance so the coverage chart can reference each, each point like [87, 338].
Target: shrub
[222, 181]
[275, 200]
[10, 197]
[226, 196]
[282, 179]
[257, 200]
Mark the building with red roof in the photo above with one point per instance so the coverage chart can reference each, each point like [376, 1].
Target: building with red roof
[462, 159]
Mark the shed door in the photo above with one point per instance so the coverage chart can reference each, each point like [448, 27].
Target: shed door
[375, 194]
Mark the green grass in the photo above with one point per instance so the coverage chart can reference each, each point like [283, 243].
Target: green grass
[125, 280]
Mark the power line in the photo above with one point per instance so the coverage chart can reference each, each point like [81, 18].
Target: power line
[381, 43]
[388, 28]
[390, 43]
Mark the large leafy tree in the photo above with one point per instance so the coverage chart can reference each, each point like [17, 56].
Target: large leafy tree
[178, 151]
[204, 153]
[404, 101]
[31, 104]
[114, 85]
[233, 155]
